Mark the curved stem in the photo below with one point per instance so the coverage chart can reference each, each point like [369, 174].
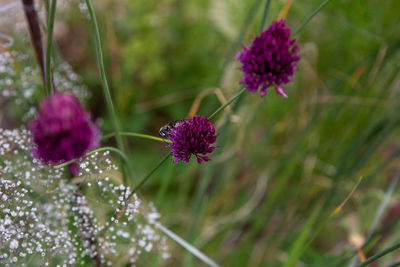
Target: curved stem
[100, 149]
[139, 135]
[315, 12]
[104, 83]
[227, 103]
[159, 164]
[380, 254]
[50, 27]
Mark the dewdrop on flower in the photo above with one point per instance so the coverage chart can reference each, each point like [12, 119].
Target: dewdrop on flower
[62, 130]
[193, 136]
[270, 60]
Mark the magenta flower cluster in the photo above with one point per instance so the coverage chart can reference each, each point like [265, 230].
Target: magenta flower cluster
[62, 130]
[270, 60]
[193, 136]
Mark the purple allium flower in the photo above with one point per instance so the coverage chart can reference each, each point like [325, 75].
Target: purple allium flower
[62, 130]
[192, 136]
[270, 61]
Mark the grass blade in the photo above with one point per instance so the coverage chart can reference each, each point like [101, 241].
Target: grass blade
[194, 251]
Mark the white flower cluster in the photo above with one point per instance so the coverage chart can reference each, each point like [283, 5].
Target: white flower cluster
[20, 81]
[49, 219]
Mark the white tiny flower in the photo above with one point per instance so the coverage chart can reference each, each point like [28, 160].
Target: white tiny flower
[14, 244]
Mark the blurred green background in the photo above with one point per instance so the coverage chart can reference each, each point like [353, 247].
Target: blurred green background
[282, 166]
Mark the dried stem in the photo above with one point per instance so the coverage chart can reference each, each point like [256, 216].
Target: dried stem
[36, 35]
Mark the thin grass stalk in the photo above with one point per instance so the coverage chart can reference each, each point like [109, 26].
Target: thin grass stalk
[264, 16]
[299, 244]
[394, 264]
[379, 213]
[385, 202]
[104, 82]
[306, 20]
[194, 251]
[49, 46]
[380, 254]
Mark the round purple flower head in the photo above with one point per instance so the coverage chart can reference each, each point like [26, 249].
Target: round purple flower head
[270, 61]
[62, 130]
[192, 137]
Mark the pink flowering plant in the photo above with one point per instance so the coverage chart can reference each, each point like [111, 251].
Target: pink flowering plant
[74, 189]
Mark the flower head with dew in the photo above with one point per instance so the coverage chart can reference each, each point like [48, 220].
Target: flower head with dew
[62, 130]
[270, 60]
[193, 136]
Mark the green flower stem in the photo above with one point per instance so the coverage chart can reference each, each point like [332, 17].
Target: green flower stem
[159, 164]
[242, 91]
[49, 46]
[139, 135]
[100, 149]
[315, 12]
[100, 65]
[265, 15]
[380, 254]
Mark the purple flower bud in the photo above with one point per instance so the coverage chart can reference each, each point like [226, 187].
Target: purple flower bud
[62, 130]
[192, 137]
[270, 60]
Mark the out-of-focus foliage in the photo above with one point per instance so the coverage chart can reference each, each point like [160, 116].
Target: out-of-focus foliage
[282, 166]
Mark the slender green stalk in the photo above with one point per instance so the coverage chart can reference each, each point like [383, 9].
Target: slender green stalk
[298, 246]
[159, 164]
[47, 5]
[139, 135]
[315, 12]
[380, 254]
[265, 15]
[104, 83]
[49, 46]
[227, 103]
[100, 149]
